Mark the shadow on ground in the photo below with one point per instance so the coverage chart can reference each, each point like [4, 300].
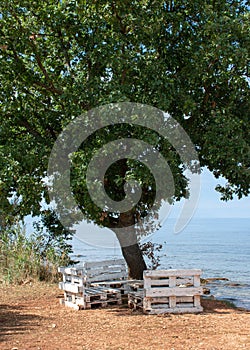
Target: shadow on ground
[14, 321]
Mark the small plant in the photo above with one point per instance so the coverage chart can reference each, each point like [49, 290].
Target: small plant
[229, 304]
[150, 250]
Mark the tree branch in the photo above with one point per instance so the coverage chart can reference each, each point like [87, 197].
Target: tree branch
[51, 86]
[65, 51]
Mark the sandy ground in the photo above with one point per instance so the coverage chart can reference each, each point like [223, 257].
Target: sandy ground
[31, 318]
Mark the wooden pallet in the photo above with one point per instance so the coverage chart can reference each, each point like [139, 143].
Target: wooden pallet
[169, 291]
[92, 297]
[82, 291]
[108, 273]
[96, 272]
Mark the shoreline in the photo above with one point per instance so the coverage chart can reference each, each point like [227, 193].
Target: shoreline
[226, 301]
[223, 292]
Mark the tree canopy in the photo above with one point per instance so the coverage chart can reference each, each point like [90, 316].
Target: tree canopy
[63, 58]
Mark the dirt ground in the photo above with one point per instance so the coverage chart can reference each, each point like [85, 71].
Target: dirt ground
[31, 318]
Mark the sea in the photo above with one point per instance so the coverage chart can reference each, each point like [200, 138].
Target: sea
[220, 247]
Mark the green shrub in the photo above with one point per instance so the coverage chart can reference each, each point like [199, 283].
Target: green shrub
[30, 257]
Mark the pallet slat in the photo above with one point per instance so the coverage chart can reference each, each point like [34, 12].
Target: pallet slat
[174, 310]
[69, 287]
[175, 291]
[106, 263]
[172, 272]
[103, 277]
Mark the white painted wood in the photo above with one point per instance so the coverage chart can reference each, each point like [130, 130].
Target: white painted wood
[172, 301]
[97, 267]
[172, 272]
[71, 270]
[184, 299]
[69, 304]
[108, 283]
[77, 280]
[165, 300]
[157, 300]
[184, 305]
[106, 263]
[147, 283]
[103, 277]
[177, 291]
[150, 282]
[61, 269]
[146, 304]
[81, 302]
[74, 271]
[197, 281]
[172, 281]
[197, 301]
[77, 283]
[69, 287]
[173, 310]
[113, 270]
[106, 268]
[93, 292]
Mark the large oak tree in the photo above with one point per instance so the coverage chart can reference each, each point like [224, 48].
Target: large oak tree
[62, 58]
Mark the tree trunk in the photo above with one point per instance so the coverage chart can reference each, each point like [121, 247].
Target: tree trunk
[125, 232]
[134, 258]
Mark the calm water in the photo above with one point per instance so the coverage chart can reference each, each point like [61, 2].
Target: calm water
[220, 247]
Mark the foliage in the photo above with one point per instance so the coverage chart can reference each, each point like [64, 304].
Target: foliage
[229, 304]
[151, 250]
[25, 258]
[53, 235]
[124, 170]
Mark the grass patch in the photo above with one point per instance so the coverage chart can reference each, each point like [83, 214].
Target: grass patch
[229, 304]
[29, 257]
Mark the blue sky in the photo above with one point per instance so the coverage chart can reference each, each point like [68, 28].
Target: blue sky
[210, 205]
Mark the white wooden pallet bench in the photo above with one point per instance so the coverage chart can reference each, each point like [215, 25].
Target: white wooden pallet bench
[168, 291]
[93, 283]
